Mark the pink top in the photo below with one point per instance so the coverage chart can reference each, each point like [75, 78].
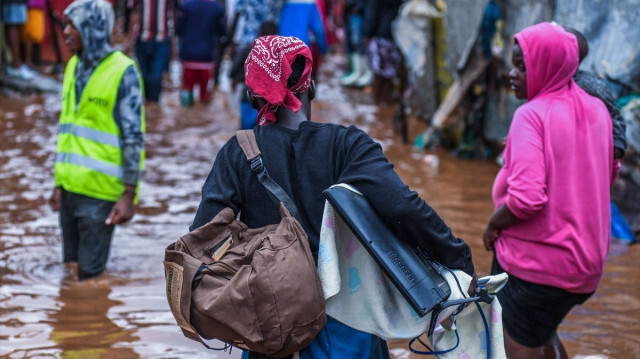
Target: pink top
[37, 4]
[558, 167]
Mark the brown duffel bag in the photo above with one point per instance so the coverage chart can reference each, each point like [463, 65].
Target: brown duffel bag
[257, 289]
[263, 294]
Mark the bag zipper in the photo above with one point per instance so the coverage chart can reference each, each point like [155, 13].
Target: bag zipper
[219, 244]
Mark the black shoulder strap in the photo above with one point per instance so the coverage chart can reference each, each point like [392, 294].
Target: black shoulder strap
[247, 141]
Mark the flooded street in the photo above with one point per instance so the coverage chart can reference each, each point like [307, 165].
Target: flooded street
[124, 314]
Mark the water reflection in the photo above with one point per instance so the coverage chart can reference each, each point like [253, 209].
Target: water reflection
[24, 309]
[82, 326]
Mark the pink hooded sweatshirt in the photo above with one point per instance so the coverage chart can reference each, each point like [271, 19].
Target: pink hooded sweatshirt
[558, 167]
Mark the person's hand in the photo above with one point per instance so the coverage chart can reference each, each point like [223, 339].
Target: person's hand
[489, 236]
[54, 201]
[122, 211]
[231, 50]
[617, 153]
[473, 286]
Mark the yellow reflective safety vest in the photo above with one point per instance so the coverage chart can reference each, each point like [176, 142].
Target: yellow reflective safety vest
[89, 154]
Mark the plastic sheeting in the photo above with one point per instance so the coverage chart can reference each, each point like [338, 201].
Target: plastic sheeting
[613, 31]
[463, 20]
[631, 114]
[610, 26]
[519, 14]
[626, 190]
[412, 33]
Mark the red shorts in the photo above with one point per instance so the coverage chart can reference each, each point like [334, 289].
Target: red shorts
[197, 72]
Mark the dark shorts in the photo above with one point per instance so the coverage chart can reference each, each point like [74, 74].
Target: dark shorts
[14, 14]
[86, 239]
[531, 313]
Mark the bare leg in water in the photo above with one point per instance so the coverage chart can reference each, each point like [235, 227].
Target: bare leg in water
[71, 270]
[515, 350]
[13, 37]
[553, 348]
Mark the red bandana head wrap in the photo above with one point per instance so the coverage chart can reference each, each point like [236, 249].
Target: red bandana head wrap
[267, 70]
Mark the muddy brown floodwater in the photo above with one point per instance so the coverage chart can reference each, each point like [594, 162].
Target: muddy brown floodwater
[124, 314]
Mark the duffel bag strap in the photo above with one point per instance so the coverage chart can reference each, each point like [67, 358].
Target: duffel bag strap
[247, 141]
[180, 273]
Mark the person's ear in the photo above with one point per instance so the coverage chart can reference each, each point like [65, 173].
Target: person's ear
[253, 101]
[312, 90]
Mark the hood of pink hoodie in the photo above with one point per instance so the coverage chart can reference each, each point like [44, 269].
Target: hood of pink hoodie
[550, 56]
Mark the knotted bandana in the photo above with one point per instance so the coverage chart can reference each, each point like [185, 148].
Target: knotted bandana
[267, 70]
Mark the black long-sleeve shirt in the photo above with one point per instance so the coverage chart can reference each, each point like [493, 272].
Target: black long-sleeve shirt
[305, 162]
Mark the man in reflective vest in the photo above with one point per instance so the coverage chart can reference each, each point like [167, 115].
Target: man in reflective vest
[100, 150]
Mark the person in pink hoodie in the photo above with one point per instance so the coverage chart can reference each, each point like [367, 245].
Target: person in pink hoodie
[551, 227]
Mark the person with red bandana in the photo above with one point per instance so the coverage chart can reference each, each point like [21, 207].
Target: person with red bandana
[305, 158]
[551, 227]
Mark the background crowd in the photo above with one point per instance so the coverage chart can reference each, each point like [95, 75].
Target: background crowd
[202, 34]
[398, 51]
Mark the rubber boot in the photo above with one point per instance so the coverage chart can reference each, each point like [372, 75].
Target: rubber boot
[186, 98]
[351, 78]
[366, 75]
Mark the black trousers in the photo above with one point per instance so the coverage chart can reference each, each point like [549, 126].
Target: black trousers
[86, 239]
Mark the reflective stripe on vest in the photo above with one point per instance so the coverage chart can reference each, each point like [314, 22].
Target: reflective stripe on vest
[90, 134]
[88, 162]
[89, 156]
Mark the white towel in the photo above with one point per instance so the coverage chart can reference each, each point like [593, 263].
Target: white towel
[471, 328]
[358, 293]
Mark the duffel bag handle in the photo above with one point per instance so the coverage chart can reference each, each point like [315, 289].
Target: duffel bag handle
[180, 272]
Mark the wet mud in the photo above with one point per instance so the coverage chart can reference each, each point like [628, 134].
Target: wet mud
[46, 313]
